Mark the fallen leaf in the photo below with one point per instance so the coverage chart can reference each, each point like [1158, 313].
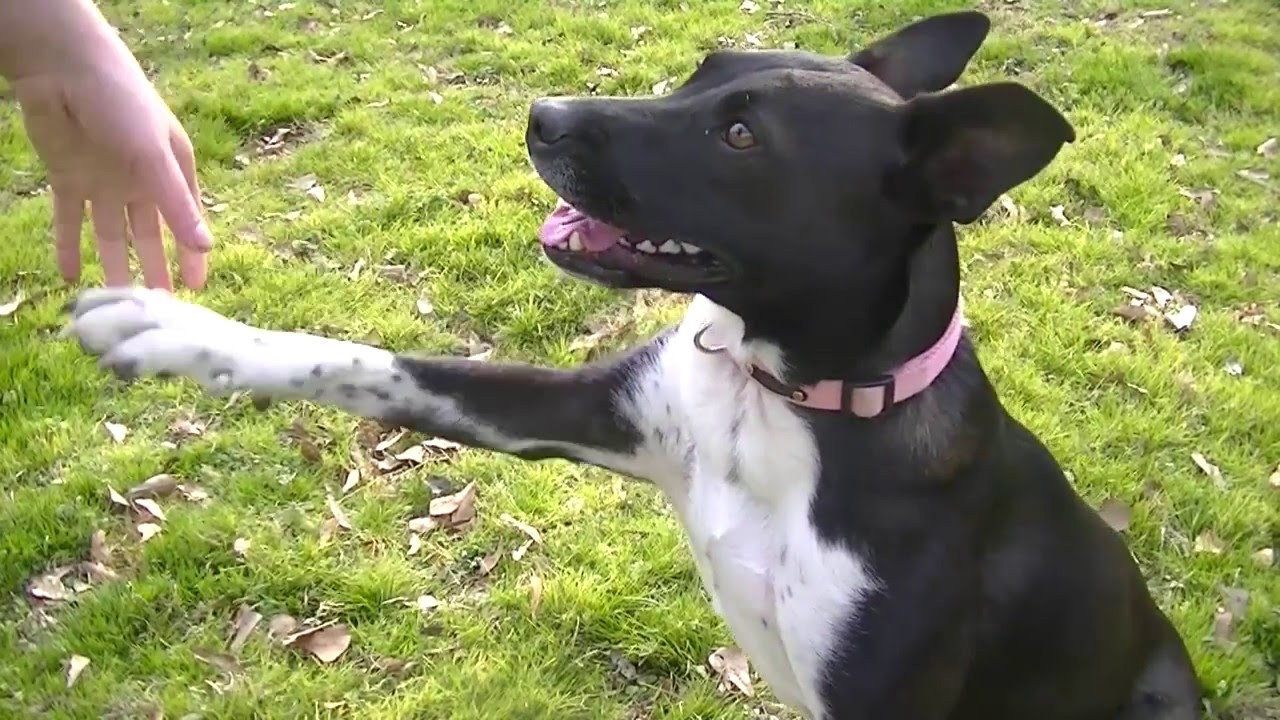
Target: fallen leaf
[150, 509]
[455, 510]
[1161, 296]
[749, 7]
[1208, 542]
[1115, 514]
[535, 594]
[281, 627]
[490, 561]
[1204, 197]
[306, 443]
[482, 355]
[1236, 600]
[1178, 160]
[328, 529]
[1163, 12]
[1059, 215]
[49, 586]
[1224, 629]
[441, 444]
[1209, 469]
[423, 525]
[223, 662]
[326, 643]
[1269, 147]
[338, 515]
[11, 307]
[1258, 177]
[1233, 367]
[306, 182]
[353, 479]
[192, 493]
[1182, 318]
[425, 307]
[1010, 207]
[117, 431]
[1131, 312]
[732, 669]
[1266, 557]
[147, 530]
[75, 665]
[662, 87]
[415, 543]
[1274, 480]
[533, 533]
[426, 603]
[241, 547]
[98, 550]
[161, 485]
[519, 552]
[416, 454]
[316, 192]
[246, 620]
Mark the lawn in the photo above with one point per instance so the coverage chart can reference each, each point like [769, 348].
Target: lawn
[365, 174]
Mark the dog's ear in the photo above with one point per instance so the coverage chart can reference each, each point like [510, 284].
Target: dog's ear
[925, 56]
[964, 148]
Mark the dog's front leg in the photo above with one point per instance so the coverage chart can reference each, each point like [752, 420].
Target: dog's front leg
[592, 414]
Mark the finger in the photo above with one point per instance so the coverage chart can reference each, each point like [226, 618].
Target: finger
[148, 243]
[113, 245]
[193, 267]
[171, 193]
[68, 219]
[186, 157]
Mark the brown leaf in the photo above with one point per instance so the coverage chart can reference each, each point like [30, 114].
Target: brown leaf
[75, 665]
[246, 620]
[257, 73]
[49, 586]
[151, 510]
[1274, 480]
[1269, 147]
[306, 443]
[1208, 542]
[241, 547]
[192, 493]
[423, 525]
[416, 454]
[426, 603]
[415, 544]
[388, 441]
[11, 307]
[147, 530]
[1209, 469]
[98, 550]
[732, 669]
[1258, 177]
[1131, 312]
[1182, 318]
[328, 529]
[1059, 215]
[281, 627]
[535, 594]
[1224, 629]
[454, 510]
[1266, 557]
[518, 553]
[425, 307]
[490, 561]
[749, 7]
[441, 445]
[223, 662]
[334, 509]
[325, 643]
[525, 528]
[353, 479]
[1115, 514]
[316, 192]
[662, 87]
[156, 486]
[116, 431]
[1236, 600]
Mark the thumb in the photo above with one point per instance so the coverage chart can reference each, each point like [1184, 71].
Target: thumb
[167, 184]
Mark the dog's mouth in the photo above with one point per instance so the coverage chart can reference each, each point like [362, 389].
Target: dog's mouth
[583, 245]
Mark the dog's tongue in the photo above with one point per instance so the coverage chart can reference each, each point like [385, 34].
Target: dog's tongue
[566, 220]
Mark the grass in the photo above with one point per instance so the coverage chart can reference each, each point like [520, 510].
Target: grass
[411, 107]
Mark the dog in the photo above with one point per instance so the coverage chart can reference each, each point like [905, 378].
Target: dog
[882, 538]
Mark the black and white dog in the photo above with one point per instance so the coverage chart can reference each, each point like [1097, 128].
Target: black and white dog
[882, 538]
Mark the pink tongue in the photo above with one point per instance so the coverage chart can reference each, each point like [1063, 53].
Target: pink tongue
[566, 220]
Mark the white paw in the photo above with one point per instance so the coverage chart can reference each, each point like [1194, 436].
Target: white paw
[138, 332]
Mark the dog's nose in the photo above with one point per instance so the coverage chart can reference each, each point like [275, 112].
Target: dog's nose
[550, 120]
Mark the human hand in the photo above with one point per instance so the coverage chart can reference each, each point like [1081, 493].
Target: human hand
[109, 140]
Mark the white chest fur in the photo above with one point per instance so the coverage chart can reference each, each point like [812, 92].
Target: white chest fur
[784, 592]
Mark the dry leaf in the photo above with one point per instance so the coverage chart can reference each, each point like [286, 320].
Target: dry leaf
[458, 509]
[662, 87]
[1258, 177]
[1131, 312]
[1161, 296]
[353, 479]
[1182, 318]
[75, 665]
[415, 543]
[1010, 207]
[1209, 469]
[518, 553]
[161, 485]
[49, 586]
[117, 431]
[1269, 147]
[490, 561]
[415, 454]
[1224, 629]
[147, 530]
[11, 307]
[535, 594]
[246, 620]
[338, 515]
[1208, 542]
[749, 7]
[731, 667]
[98, 550]
[439, 443]
[192, 493]
[241, 547]
[525, 528]
[425, 307]
[423, 525]
[149, 508]
[1115, 513]
[1236, 600]
[1059, 215]
[326, 643]
[306, 444]
[426, 603]
[1266, 557]
[1275, 478]
[306, 182]
[316, 192]
[281, 627]
[224, 662]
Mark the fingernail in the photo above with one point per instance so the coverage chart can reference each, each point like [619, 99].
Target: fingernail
[203, 237]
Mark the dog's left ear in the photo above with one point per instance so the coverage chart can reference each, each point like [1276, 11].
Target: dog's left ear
[925, 56]
[964, 148]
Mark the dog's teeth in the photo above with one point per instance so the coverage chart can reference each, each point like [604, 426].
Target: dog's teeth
[575, 241]
[624, 241]
[670, 247]
[646, 247]
[691, 249]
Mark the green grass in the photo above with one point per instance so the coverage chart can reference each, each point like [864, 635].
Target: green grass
[424, 103]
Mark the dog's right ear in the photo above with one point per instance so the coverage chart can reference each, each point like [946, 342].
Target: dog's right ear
[925, 56]
[964, 148]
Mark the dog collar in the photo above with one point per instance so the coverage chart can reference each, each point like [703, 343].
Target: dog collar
[868, 398]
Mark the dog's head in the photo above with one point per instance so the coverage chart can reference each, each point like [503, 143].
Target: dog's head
[784, 176]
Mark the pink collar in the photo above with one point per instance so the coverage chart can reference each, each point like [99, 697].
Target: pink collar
[865, 399]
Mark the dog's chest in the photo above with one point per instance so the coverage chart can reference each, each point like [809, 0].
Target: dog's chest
[753, 467]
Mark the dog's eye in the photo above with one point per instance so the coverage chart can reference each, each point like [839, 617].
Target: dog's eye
[739, 136]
